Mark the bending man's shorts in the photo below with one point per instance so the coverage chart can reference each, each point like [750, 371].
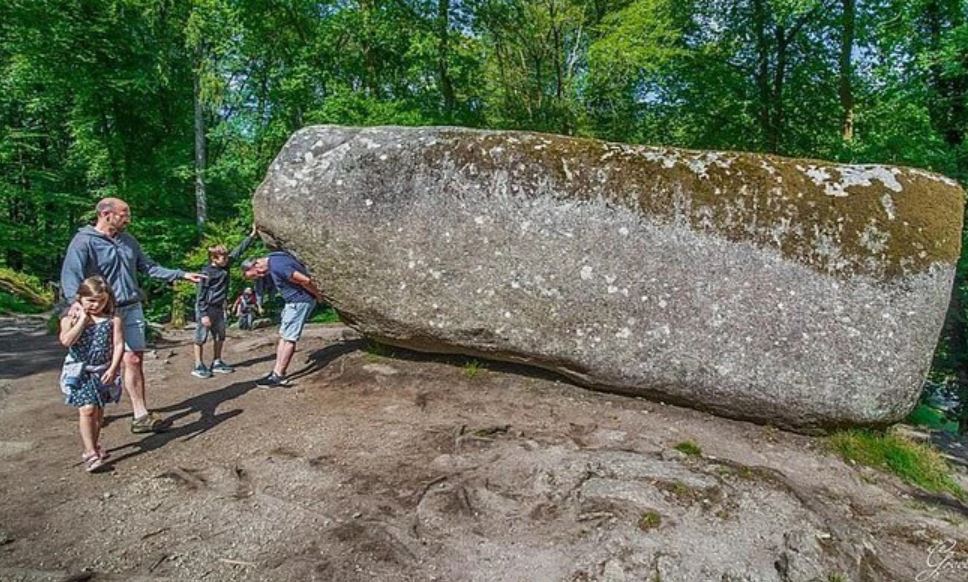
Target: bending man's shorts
[294, 316]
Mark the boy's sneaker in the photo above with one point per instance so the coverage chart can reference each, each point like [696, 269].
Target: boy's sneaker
[220, 367]
[273, 380]
[200, 371]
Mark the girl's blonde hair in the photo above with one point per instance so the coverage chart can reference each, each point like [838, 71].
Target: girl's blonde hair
[95, 287]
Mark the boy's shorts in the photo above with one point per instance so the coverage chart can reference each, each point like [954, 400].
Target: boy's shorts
[294, 316]
[133, 318]
[216, 330]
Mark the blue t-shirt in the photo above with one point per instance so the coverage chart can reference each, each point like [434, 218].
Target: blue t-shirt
[281, 267]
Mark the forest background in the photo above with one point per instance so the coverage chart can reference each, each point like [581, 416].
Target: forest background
[178, 106]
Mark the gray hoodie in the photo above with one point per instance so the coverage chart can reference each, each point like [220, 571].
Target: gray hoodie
[116, 259]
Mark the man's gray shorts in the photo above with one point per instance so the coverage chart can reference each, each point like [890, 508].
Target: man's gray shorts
[216, 330]
[133, 318]
[294, 316]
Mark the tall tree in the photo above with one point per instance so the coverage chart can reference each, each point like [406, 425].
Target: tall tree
[849, 14]
[201, 200]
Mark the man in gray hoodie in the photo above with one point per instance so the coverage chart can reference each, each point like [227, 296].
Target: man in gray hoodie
[106, 250]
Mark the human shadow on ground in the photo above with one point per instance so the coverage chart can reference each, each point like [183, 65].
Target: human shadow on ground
[206, 405]
[321, 358]
[253, 361]
[465, 361]
[954, 447]
[26, 348]
[942, 500]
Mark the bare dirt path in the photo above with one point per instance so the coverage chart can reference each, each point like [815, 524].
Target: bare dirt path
[406, 467]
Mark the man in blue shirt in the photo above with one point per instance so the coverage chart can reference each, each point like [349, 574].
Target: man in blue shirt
[291, 279]
[105, 249]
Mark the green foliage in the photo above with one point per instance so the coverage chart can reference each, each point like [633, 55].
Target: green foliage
[932, 418]
[690, 448]
[649, 521]
[472, 368]
[15, 304]
[324, 315]
[97, 98]
[22, 288]
[229, 233]
[915, 463]
[375, 350]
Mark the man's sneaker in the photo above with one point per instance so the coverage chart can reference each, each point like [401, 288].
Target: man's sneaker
[150, 422]
[200, 371]
[220, 367]
[273, 380]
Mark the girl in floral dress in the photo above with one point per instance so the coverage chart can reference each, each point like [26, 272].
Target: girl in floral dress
[94, 337]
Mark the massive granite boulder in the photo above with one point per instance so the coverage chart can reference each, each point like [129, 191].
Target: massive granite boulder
[795, 292]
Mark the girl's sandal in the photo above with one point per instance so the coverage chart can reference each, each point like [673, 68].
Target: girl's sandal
[102, 453]
[92, 462]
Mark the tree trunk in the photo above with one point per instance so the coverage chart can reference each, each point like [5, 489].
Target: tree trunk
[443, 54]
[762, 69]
[957, 86]
[201, 201]
[14, 287]
[779, 75]
[369, 58]
[15, 257]
[846, 71]
[558, 51]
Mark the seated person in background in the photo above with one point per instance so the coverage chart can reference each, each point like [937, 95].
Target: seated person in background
[245, 306]
[213, 292]
[291, 279]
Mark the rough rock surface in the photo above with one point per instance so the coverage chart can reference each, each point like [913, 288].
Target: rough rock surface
[409, 468]
[794, 292]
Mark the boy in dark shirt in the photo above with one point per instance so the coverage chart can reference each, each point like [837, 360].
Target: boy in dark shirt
[213, 291]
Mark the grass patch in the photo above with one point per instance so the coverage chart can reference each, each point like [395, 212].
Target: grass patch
[690, 448]
[932, 418]
[649, 521]
[53, 324]
[473, 368]
[376, 350]
[683, 493]
[915, 463]
[325, 315]
[22, 290]
[10, 303]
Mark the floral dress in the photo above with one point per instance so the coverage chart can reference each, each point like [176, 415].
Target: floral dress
[86, 360]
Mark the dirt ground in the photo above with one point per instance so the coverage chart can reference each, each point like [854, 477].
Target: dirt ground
[401, 466]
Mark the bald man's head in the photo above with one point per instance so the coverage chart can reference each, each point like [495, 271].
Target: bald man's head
[110, 204]
[113, 216]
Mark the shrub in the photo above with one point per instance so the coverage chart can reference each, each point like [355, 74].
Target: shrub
[690, 448]
[915, 463]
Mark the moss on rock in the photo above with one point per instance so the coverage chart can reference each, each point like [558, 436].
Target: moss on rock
[842, 220]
